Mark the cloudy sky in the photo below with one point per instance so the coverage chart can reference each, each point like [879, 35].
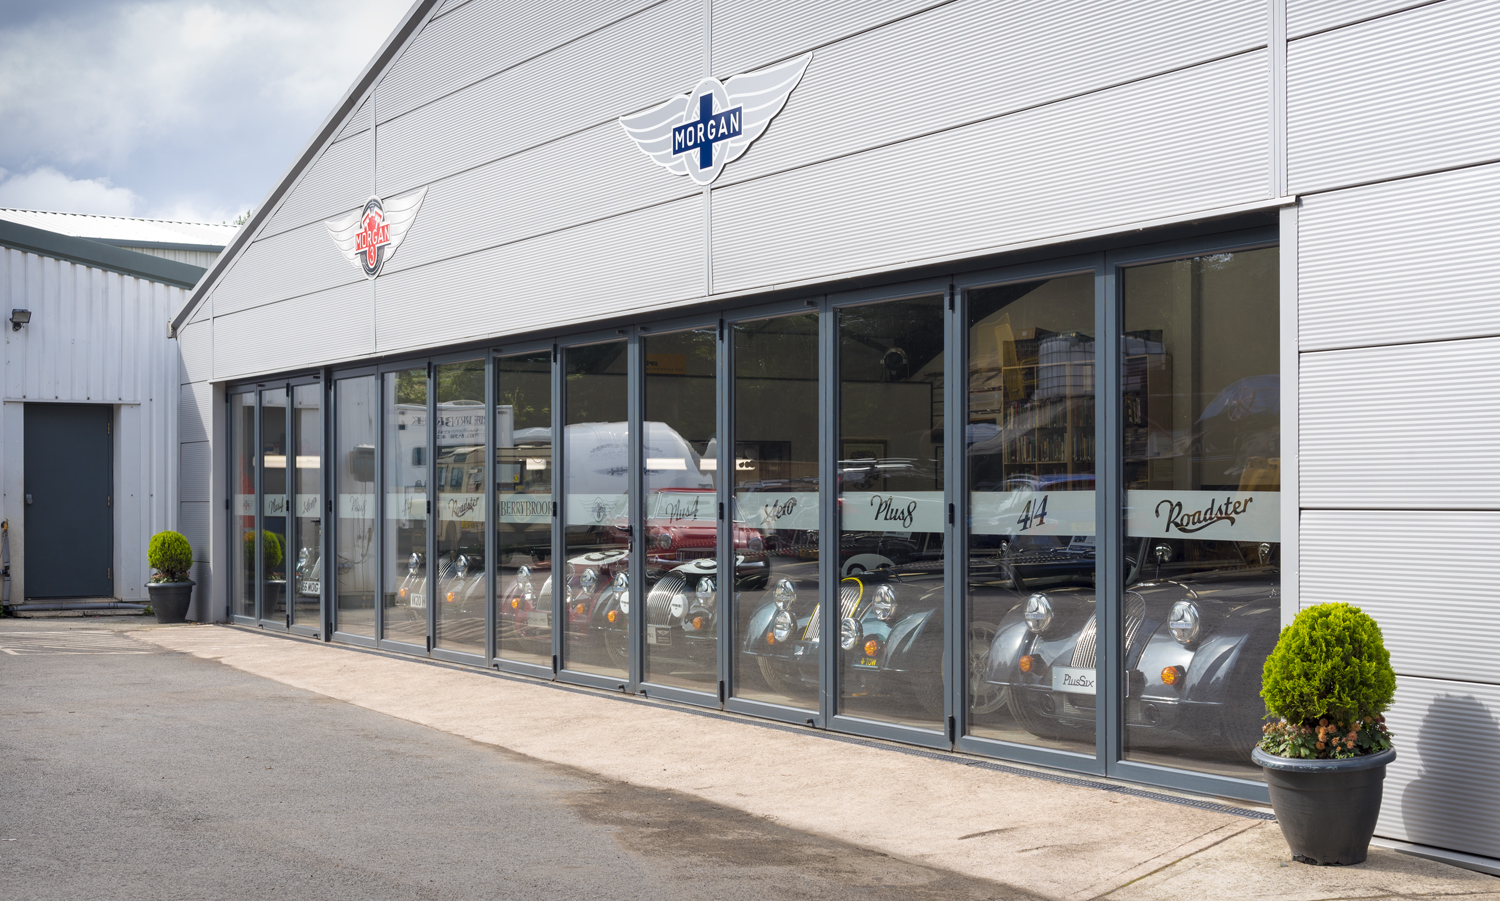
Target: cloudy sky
[170, 109]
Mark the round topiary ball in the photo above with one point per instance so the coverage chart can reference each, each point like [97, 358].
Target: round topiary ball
[270, 546]
[170, 554]
[1331, 662]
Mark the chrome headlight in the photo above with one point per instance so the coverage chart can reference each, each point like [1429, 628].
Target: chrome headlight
[664, 540]
[884, 604]
[850, 633]
[461, 568]
[1038, 613]
[782, 625]
[590, 579]
[705, 590]
[677, 606]
[622, 581]
[786, 593]
[756, 544]
[413, 563]
[1185, 622]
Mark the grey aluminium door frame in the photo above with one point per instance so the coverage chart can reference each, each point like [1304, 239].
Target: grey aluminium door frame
[261, 388]
[234, 540]
[330, 534]
[381, 642]
[293, 526]
[492, 515]
[631, 684]
[958, 485]
[714, 699]
[437, 653]
[828, 487]
[727, 444]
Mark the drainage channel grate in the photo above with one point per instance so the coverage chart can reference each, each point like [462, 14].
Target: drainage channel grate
[945, 756]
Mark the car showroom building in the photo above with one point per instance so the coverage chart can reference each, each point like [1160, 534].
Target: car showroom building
[993, 377]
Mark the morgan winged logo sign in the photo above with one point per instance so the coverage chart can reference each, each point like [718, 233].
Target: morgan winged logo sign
[370, 235]
[699, 133]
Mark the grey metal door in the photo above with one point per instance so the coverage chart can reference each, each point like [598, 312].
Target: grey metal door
[69, 538]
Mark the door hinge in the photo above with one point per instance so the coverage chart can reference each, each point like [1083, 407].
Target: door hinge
[554, 664]
[952, 298]
[554, 359]
[429, 508]
[721, 330]
[226, 503]
[109, 427]
[109, 501]
[721, 511]
[109, 573]
[721, 691]
[330, 505]
[952, 728]
[554, 509]
[950, 514]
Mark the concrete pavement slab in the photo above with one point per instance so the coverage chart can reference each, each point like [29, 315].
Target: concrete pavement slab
[1057, 840]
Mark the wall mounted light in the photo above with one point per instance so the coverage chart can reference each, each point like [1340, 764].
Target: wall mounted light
[19, 318]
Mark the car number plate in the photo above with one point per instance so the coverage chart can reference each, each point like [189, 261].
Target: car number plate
[1074, 680]
[539, 619]
[659, 635]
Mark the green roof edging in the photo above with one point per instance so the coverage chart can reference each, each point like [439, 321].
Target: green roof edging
[99, 255]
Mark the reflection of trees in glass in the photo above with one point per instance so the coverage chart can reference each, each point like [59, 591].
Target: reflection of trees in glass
[411, 387]
[595, 376]
[460, 381]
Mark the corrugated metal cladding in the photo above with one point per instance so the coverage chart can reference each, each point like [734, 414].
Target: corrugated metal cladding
[95, 337]
[1397, 291]
[1368, 252]
[331, 325]
[1304, 16]
[1192, 140]
[200, 258]
[1393, 96]
[339, 181]
[291, 264]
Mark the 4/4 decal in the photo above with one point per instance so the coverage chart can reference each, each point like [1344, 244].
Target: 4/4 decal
[697, 134]
[370, 235]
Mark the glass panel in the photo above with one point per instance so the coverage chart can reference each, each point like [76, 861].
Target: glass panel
[404, 451]
[460, 506]
[355, 403]
[242, 426]
[1202, 465]
[1030, 452]
[307, 507]
[776, 496]
[891, 512]
[273, 518]
[596, 508]
[523, 499]
[681, 536]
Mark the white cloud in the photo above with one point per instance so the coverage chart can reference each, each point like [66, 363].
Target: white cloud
[45, 188]
[195, 104]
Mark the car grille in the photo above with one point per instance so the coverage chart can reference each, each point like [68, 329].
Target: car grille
[659, 601]
[687, 555]
[848, 600]
[1086, 650]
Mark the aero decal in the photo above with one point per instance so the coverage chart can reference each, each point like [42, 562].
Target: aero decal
[698, 134]
[370, 235]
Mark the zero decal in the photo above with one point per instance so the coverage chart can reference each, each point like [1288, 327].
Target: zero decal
[370, 235]
[697, 134]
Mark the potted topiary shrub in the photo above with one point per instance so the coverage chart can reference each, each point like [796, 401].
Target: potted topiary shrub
[271, 572]
[1328, 683]
[171, 590]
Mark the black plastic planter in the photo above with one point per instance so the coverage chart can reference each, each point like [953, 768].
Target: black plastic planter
[169, 600]
[1327, 808]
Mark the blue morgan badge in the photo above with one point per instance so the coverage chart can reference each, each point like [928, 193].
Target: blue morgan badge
[699, 133]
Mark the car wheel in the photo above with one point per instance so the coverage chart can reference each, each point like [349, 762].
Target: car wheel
[984, 697]
[617, 645]
[783, 679]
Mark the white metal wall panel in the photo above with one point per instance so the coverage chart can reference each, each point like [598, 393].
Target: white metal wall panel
[1304, 16]
[358, 122]
[748, 34]
[485, 37]
[1398, 95]
[200, 258]
[194, 470]
[976, 60]
[193, 413]
[635, 64]
[195, 346]
[205, 310]
[1444, 788]
[1430, 578]
[193, 520]
[449, 5]
[301, 261]
[522, 196]
[1401, 261]
[1192, 140]
[334, 324]
[91, 333]
[642, 261]
[337, 182]
[1406, 427]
